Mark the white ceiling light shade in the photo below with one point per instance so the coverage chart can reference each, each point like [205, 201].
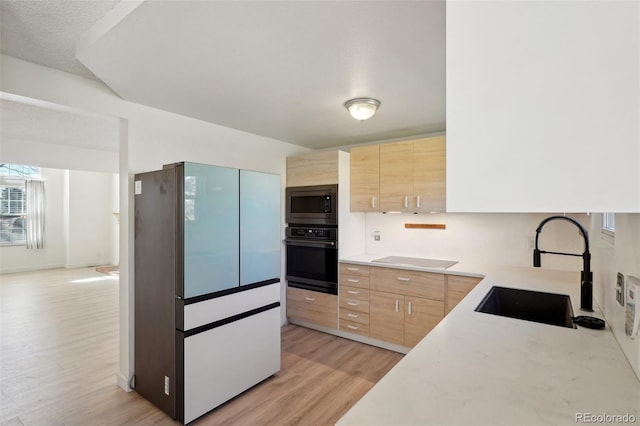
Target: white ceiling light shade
[362, 108]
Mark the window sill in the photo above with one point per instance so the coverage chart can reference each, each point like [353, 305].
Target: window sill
[14, 244]
[608, 237]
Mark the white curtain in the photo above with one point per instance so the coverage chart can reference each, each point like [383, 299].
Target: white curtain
[35, 214]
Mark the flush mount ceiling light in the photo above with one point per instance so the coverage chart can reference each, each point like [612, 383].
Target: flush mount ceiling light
[362, 108]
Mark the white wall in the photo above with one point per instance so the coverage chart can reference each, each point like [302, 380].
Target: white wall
[478, 238]
[78, 228]
[149, 138]
[621, 255]
[18, 258]
[115, 225]
[58, 156]
[543, 106]
[90, 219]
[352, 225]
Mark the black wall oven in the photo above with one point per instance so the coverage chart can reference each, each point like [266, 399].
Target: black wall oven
[312, 258]
[312, 205]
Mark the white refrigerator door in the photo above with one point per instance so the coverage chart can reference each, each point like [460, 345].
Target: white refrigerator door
[225, 361]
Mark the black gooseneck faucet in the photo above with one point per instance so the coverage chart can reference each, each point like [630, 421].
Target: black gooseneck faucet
[586, 276]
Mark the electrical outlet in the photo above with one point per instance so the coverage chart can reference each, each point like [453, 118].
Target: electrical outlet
[531, 242]
[166, 385]
[376, 236]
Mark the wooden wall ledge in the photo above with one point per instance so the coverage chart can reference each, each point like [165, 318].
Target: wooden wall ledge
[425, 226]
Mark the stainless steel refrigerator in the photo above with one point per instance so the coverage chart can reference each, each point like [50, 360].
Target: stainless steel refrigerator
[207, 285]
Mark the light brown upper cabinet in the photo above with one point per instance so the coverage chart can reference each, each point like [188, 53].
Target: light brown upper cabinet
[396, 176]
[430, 174]
[408, 176]
[365, 178]
[315, 168]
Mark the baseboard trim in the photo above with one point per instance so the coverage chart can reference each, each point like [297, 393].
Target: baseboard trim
[123, 382]
[85, 265]
[31, 268]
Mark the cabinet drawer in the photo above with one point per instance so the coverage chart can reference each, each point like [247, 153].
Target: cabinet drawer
[354, 293]
[354, 316]
[318, 308]
[353, 269]
[354, 327]
[410, 283]
[354, 305]
[354, 281]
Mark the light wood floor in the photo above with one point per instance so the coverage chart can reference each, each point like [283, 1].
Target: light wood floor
[59, 355]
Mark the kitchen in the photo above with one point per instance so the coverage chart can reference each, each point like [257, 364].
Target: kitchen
[468, 179]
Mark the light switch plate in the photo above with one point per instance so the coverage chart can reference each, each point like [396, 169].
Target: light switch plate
[620, 289]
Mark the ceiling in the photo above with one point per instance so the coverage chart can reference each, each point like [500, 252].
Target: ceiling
[281, 69]
[45, 32]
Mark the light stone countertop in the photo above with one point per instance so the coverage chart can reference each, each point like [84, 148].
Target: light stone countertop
[481, 369]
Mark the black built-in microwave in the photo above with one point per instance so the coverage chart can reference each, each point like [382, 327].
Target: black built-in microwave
[312, 205]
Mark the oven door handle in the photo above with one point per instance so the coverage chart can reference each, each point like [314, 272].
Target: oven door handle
[307, 243]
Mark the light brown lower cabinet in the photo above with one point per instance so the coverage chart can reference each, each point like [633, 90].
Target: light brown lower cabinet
[391, 305]
[421, 316]
[354, 310]
[457, 288]
[386, 317]
[313, 307]
[403, 320]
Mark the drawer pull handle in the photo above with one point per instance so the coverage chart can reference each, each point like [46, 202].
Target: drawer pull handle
[352, 303]
[353, 269]
[351, 280]
[310, 299]
[404, 279]
[353, 327]
[353, 292]
[350, 315]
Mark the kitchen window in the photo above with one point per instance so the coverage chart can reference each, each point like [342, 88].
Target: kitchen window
[609, 223]
[608, 227]
[13, 202]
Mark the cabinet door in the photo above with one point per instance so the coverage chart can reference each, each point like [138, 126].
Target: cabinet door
[365, 178]
[429, 174]
[396, 176]
[421, 315]
[211, 226]
[386, 317]
[259, 227]
[315, 168]
[457, 288]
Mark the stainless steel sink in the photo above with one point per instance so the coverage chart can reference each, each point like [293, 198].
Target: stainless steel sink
[545, 308]
[417, 261]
